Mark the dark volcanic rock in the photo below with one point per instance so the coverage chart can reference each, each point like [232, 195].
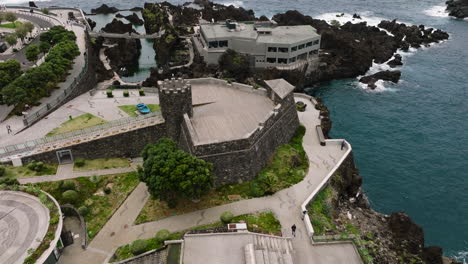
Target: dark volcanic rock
[218, 12]
[432, 255]
[457, 8]
[32, 4]
[396, 61]
[155, 17]
[406, 232]
[117, 26]
[104, 9]
[135, 19]
[415, 36]
[91, 23]
[119, 15]
[392, 76]
[356, 16]
[137, 9]
[124, 54]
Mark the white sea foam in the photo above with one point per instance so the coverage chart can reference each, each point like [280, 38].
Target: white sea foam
[234, 3]
[365, 16]
[436, 11]
[462, 256]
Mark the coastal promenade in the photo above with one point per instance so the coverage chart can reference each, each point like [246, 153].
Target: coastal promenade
[286, 205]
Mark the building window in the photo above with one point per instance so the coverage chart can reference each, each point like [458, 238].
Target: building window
[283, 61]
[294, 48]
[284, 50]
[301, 46]
[309, 44]
[303, 56]
[291, 60]
[271, 60]
[316, 42]
[313, 52]
[223, 43]
[272, 49]
[212, 44]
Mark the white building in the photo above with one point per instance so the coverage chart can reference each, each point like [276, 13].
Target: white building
[284, 47]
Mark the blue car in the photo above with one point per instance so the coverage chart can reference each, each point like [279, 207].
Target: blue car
[142, 108]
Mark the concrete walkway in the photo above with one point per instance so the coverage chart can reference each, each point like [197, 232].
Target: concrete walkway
[65, 172]
[285, 204]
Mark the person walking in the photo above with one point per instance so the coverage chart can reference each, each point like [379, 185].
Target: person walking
[342, 145]
[9, 129]
[293, 229]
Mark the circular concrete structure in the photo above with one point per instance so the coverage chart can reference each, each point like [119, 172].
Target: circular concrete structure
[24, 221]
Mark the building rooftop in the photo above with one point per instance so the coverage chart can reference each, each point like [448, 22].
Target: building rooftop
[223, 112]
[281, 87]
[24, 221]
[279, 34]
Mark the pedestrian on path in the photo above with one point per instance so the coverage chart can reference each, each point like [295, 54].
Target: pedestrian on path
[304, 214]
[9, 129]
[293, 229]
[342, 145]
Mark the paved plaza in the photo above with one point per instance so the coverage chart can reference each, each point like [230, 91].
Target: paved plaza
[24, 221]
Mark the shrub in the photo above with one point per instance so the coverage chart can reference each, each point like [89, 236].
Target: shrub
[15, 50]
[8, 181]
[126, 94]
[141, 92]
[70, 196]
[68, 185]
[95, 179]
[116, 83]
[138, 246]
[31, 165]
[36, 166]
[267, 182]
[80, 163]
[226, 217]
[162, 235]
[107, 190]
[2, 170]
[83, 210]
[335, 23]
[109, 93]
[256, 190]
[45, 11]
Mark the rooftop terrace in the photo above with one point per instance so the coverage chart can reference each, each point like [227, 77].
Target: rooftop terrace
[279, 34]
[224, 112]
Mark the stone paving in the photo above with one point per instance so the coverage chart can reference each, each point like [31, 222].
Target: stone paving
[119, 230]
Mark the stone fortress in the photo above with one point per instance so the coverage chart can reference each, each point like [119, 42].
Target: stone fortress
[232, 125]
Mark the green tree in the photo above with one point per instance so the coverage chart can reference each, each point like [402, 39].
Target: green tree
[44, 47]
[21, 32]
[234, 65]
[11, 39]
[9, 71]
[170, 172]
[29, 27]
[45, 11]
[11, 17]
[32, 53]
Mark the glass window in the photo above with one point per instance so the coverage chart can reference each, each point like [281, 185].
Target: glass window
[301, 46]
[272, 49]
[271, 60]
[284, 50]
[213, 44]
[294, 48]
[291, 60]
[284, 61]
[223, 43]
[313, 52]
[316, 42]
[309, 44]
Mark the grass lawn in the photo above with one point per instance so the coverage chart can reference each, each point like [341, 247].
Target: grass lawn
[90, 194]
[289, 164]
[102, 164]
[130, 109]
[11, 25]
[23, 172]
[262, 222]
[80, 122]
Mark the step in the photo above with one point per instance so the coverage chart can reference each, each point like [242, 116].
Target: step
[259, 259]
[287, 259]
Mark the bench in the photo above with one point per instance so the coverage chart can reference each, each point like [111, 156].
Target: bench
[320, 135]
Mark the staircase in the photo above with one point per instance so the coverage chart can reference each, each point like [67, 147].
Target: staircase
[269, 250]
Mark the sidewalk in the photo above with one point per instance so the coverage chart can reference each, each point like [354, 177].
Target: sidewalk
[285, 204]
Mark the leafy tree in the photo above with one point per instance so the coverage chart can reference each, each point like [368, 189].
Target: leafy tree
[234, 65]
[11, 39]
[28, 27]
[44, 47]
[9, 71]
[32, 53]
[21, 32]
[170, 172]
[11, 17]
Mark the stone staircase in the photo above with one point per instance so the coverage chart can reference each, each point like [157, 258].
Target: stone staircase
[269, 250]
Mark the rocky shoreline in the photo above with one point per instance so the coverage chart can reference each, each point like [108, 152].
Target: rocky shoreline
[347, 51]
[457, 8]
